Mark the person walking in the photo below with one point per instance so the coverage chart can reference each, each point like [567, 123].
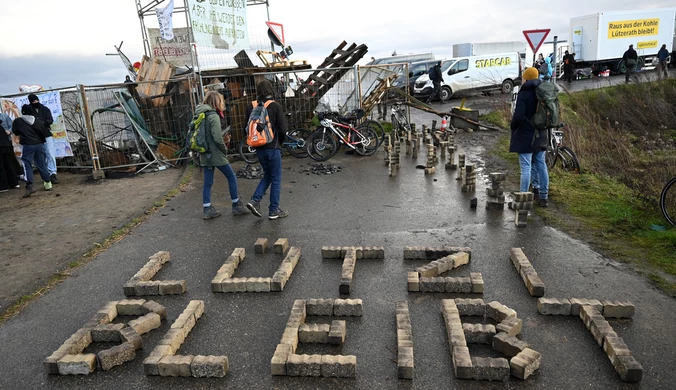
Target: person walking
[523, 138]
[44, 114]
[269, 155]
[662, 56]
[8, 176]
[437, 78]
[568, 65]
[32, 134]
[216, 155]
[630, 59]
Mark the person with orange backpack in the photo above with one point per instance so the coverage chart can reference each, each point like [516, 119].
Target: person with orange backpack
[266, 131]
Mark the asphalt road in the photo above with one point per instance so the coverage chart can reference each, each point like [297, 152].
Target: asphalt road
[361, 205]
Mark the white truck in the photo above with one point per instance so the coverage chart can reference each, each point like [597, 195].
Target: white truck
[600, 40]
[484, 48]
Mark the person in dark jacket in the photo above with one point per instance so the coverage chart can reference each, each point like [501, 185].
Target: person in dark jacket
[568, 65]
[216, 155]
[630, 59]
[523, 140]
[32, 134]
[44, 114]
[270, 155]
[8, 176]
[662, 66]
[437, 78]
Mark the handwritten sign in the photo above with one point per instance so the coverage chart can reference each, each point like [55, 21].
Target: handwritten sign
[175, 51]
[219, 23]
[52, 100]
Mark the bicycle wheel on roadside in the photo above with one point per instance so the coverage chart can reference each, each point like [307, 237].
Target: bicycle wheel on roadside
[551, 157]
[369, 144]
[247, 153]
[297, 147]
[668, 201]
[322, 145]
[568, 159]
[377, 127]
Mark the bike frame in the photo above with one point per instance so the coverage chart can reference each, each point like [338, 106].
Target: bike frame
[342, 136]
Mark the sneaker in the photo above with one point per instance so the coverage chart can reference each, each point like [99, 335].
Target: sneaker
[54, 179]
[48, 185]
[279, 213]
[29, 191]
[543, 203]
[4, 190]
[238, 208]
[210, 212]
[255, 208]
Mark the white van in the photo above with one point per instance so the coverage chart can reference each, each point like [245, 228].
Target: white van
[479, 73]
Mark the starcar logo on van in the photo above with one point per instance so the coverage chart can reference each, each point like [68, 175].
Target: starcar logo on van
[504, 61]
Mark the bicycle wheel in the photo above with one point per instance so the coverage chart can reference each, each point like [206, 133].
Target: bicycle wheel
[551, 157]
[568, 159]
[247, 153]
[321, 145]
[668, 201]
[369, 144]
[297, 146]
[377, 127]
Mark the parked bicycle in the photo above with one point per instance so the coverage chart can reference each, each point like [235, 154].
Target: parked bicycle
[336, 130]
[295, 143]
[668, 201]
[400, 123]
[556, 151]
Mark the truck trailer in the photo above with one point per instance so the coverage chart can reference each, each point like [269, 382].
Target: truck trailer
[600, 40]
[485, 48]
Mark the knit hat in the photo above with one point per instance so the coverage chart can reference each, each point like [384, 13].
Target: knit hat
[530, 74]
[32, 98]
[264, 90]
[26, 110]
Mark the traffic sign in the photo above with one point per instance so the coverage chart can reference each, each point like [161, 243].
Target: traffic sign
[535, 38]
[277, 31]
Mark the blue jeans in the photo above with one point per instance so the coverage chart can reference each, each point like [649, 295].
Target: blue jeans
[35, 153]
[538, 169]
[271, 161]
[209, 182]
[50, 152]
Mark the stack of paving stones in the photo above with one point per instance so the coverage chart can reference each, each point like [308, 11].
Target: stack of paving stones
[68, 359]
[405, 363]
[285, 362]
[443, 145]
[469, 184]
[594, 313]
[523, 202]
[142, 285]
[450, 163]
[522, 362]
[397, 153]
[535, 286]
[461, 166]
[495, 194]
[350, 255]
[427, 278]
[409, 138]
[164, 361]
[431, 156]
[225, 282]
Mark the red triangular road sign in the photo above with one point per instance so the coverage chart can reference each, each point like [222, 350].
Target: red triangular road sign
[278, 30]
[535, 38]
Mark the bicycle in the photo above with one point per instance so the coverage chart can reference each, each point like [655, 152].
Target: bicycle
[399, 119]
[336, 130]
[295, 143]
[558, 152]
[668, 201]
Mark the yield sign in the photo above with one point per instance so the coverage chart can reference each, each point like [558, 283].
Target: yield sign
[535, 38]
[277, 29]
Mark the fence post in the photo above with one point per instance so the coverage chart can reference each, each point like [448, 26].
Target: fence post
[357, 87]
[97, 172]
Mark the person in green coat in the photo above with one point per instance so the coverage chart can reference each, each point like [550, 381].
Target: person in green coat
[216, 155]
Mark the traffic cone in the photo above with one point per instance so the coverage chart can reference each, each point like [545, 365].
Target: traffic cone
[444, 124]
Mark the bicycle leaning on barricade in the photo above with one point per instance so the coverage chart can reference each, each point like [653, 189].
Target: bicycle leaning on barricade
[668, 201]
[335, 130]
[556, 151]
[295, 143]
[400, 122]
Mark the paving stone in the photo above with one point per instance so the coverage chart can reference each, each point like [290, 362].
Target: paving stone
[413, 282]
[50, 364]
[258, 284]
[523, 196]
[79, 340]
[277, 282]
[80, 364]
[534, 285]
[403, 321]
[499, 312]
[615, 346]
[374, 252]
[107, 333]
[130, 307]
[600, 330]
[577, 303]
[554, 306]
[146, 323]
[233, 285]
[525, 363]
[462, 363]
[151, 365]
[617, 309]
[314, 333]
[521, 218]
[209, 366]
[405, 363]
[290, 337]
[477, 282]
[240, 253]
[435, 284]
[428, 271]
[304, 365]
[129, 335]
[587, 312]
[110, 310]
[492, 369]
[281, 246]
[629, 369]
[173, 338]
[154, 307]
[337, 332]
[414, 253]
[460, 259]
[147, 288]
[261, 246]
[338, 366]
[197, 307]
[172, 287]
[319, 307]
[348, 307]
[471, 307]
[458, 285]
[478, 333]
[176, 365]
[129, 289]
[161, 256]
[116, 356]
[331, 252]
[511, 326]
[508, 345]
[278, 362]
[518, 258]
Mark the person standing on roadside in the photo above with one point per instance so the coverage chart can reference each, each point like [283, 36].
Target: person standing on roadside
[630, 59]
[32, 134]
[269, 155]
[44, 114]
[568, 65]
[662, 56]
[437, 78]
[8, 176]
[523, 137]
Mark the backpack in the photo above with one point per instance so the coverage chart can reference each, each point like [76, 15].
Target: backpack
[547, 112]
[259, 129]
[197, 139]
[543, 69]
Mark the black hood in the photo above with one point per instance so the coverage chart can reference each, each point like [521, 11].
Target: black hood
[531, 84]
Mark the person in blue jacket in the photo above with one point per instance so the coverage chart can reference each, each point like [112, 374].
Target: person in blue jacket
[662, 57]
[523, 140]
[548, 75]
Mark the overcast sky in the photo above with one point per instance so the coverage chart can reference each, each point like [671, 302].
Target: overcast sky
[63, 43]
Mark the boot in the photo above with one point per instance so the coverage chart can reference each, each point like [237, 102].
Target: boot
[238, 208]
[54, 179]
[210, 212]
[29, 191]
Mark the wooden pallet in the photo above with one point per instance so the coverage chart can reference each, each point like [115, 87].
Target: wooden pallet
[154, 69]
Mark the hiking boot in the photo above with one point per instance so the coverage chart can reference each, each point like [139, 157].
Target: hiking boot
[210, 212]
[238, 208]
[536, 192]
[54, 179]
[279, 213]
[543, 203]
[29, 191]
[255, 208]
[48, 185]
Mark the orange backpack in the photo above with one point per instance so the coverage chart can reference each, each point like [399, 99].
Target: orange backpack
[259, 129]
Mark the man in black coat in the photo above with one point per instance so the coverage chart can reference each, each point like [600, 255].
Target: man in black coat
[44, 114]
[568, 65]
[32, 134]
[437, 78]
[630, 59]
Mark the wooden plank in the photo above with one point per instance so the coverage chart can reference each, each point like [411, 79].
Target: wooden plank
[319, 79]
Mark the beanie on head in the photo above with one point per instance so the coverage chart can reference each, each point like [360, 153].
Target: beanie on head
[26, 110]
[264, 90]
[530, 74]
[32, 97]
